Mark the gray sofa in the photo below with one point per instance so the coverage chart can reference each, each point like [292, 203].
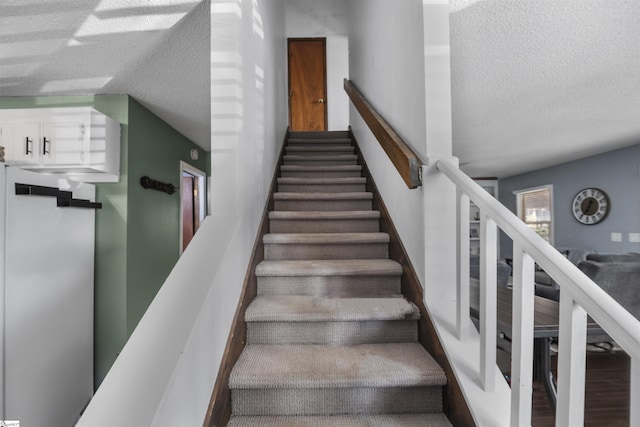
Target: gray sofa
[504, 270]
[545, 285]
[618, 275]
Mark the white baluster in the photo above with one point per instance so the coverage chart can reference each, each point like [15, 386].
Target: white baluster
[462, 253]
[634, 408]
[571, 362]
[522, 337]
[488, 301]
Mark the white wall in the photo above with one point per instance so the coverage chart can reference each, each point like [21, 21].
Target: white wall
[3, 194]
[386, 62]
[166, 372]
[248, 121]
[313, 18]
[399, 57]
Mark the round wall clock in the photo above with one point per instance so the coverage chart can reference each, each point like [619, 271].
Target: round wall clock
[590, 206]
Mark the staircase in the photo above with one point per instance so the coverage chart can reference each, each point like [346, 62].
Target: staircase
[330, 339]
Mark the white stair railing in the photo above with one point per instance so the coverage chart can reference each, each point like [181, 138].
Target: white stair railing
[579, 296]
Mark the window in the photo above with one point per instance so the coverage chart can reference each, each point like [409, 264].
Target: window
[535, 208]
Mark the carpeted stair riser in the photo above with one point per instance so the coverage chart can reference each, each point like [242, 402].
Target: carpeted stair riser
[319, 150]
[330, 286]
[321, 185]
[305, 142]
[395, 420]
[303, 246]
[322, 201]
[332, 333]
[343, 278]
[328, 251]
[348, 171]
[332, 401]
[320, 160]
[317, 223]
[319, 135]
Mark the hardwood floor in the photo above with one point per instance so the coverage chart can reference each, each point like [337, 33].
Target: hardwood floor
[606, 393]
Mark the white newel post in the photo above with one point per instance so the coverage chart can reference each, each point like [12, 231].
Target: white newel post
[522, 337]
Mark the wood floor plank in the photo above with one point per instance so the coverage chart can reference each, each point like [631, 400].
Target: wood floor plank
[606, 392]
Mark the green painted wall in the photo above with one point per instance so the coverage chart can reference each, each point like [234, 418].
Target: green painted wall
[155, 150]
[137, 230]
[111, 250]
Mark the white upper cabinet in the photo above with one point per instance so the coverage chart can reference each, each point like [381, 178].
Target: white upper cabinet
[21, 141]
[80, 142]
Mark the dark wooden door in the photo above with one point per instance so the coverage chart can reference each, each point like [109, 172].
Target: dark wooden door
[188, 211]
[307, 85]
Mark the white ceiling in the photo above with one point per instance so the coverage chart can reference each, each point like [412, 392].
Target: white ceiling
[540, 82]
[534, 82]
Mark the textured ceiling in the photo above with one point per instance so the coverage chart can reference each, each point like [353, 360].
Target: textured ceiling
[86, 47]
[537, 83]
[534, 82]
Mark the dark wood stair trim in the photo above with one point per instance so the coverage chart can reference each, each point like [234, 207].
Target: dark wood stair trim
[454, 403]
[219, 411]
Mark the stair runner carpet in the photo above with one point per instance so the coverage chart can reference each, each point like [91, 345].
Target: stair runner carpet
[330, 339]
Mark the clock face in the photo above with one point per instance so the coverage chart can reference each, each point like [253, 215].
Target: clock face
[590, 206]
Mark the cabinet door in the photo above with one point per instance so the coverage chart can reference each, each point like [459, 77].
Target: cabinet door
[63, 143]
[21, 142]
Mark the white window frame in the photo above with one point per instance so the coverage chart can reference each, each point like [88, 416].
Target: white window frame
[549, 187]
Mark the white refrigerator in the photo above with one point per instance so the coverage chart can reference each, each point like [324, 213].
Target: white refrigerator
[46, 297]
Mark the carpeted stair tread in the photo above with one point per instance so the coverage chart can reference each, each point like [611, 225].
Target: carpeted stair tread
[294, 308]
[323, 366]
[343, 267]
[324, 238]
[359, 195]
[400, 420]
[324, 215]
[326, 171]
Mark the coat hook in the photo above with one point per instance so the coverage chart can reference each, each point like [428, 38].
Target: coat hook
[152, 184]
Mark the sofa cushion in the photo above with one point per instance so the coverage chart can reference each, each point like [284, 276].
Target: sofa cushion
[575, 255]
[628, 257]
[621, 280]
[503, 270]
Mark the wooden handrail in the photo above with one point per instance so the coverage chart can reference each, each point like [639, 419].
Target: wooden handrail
[402, 156]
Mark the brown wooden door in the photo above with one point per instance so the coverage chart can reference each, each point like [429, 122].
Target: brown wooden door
[188, 211]
[307, 85]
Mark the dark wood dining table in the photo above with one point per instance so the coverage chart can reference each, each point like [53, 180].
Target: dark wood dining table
[545, 329]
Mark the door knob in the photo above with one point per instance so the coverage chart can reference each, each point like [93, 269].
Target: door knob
[321, 101]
